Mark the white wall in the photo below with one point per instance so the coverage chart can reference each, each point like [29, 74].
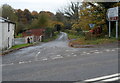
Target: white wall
[6, 35]
[0, 37]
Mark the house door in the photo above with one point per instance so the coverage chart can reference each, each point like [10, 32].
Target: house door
[28, 40]
[8, 42]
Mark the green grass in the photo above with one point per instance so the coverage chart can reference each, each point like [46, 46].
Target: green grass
[93, 41]
[82, 41]
[52, 38]
[72, 36]
[19, 35]
[20, 46]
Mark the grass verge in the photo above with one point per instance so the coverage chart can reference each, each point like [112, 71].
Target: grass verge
[20, 46]
[80, 40]
[51, 38]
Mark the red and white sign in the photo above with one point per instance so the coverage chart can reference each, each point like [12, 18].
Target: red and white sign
[112, 14]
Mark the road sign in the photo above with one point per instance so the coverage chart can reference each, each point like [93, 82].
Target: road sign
[112, 14]
[91, 25]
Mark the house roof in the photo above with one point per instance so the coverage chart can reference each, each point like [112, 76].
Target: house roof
[35, 32]
[5, 20]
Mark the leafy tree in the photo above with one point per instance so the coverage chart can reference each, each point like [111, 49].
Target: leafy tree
[27, 16]
[0, 11]
[9, 13]
[43, 20]
[34, 14]
[72, 11]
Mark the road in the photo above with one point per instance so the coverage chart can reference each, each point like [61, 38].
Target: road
[56, 61]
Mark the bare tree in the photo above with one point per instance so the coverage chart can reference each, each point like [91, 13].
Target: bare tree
[72, 11]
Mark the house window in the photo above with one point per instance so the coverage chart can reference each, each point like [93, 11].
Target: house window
[8, 27]
[8, 42]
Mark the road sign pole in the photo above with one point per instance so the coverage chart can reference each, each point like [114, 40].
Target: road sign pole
[117, 29]
[109, 29]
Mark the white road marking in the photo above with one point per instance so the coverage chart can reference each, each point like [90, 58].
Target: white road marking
[107, 50]
[21, 62]
[112, 50]
[67, 50]
[44, 59]
[84, 52]
[74, 55]
[87, 53]
[97, 52]
[36, 57]
[112, 79]
[104, 77]
[7, 64]
[57, 56]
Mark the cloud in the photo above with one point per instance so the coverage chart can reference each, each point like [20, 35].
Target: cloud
[38, 5]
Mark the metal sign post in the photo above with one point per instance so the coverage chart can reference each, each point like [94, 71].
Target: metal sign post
[112, 15]
[109, 29]
[117, 29]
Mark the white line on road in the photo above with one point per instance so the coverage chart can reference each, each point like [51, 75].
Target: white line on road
[57, 57]
[107, 50]
[72, 53]
[84, 52]
[112, 50]
[112, 79]
[21, 62]
[97, 52]
[7, 64]
[75, 55]
[104, 77]
[44, 59]
[87, 53]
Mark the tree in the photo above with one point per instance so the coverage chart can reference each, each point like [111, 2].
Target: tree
[9, 13]
[0, 11]
[43, 20]
[34, 14]
[27, 16]
[72, 11]
[60, 17]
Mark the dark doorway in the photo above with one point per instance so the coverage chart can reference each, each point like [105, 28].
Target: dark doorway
[28, 40]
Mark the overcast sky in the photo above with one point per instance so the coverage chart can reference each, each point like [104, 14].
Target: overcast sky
[37, 5]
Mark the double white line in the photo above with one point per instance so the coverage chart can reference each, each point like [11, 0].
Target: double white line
[108, 78]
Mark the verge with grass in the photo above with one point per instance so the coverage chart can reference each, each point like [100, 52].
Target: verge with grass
[20, 46]
[51, 38]
[81, 40]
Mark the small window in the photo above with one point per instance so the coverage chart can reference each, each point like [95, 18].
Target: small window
[8, 42]
[8, 27]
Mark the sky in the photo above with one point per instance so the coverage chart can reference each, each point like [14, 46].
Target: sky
[37, 5]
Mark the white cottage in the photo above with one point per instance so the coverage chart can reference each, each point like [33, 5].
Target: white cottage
[6, 34]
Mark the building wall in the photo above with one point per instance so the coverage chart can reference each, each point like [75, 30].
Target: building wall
[7, 35]
[0, 37]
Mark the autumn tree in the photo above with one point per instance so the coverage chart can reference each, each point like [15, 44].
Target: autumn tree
[9, 13]
[34, 14]
[1, 11]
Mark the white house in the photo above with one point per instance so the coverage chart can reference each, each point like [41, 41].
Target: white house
[6, 34]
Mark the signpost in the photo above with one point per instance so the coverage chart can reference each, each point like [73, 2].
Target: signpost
[112, 15]
[91, 25]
